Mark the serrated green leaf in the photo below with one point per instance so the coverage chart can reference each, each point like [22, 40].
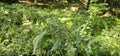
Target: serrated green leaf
[55, 46]
[37, 40]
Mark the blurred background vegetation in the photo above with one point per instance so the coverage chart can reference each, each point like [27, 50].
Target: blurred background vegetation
[59, 28]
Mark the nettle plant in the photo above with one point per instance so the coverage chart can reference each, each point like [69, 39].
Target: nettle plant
[27, 30]
[80, 35]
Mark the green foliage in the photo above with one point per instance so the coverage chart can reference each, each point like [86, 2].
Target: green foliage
[93, 1]
[27, 30]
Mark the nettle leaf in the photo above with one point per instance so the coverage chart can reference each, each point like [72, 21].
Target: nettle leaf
[55, 46]
[38, 40]
[93, 1]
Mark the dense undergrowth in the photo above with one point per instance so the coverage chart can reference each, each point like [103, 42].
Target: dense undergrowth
[27, 30]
